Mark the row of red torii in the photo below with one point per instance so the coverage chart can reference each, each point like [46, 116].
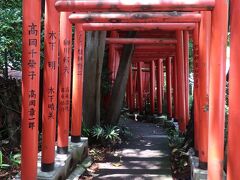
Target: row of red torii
[147, 71]
[204, 21]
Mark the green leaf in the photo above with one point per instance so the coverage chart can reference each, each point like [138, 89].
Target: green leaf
[15, 159]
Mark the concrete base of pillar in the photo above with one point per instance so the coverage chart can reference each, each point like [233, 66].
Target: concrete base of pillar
[196, 172]
[65, 163]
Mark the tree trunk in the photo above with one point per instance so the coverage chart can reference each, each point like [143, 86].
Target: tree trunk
[95, 46]
[119, 87]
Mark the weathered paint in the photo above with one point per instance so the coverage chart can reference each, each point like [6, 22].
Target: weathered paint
[138, 5]
[135, 17]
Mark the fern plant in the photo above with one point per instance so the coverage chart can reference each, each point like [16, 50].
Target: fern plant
[2, 165]
[112, 133]
[98, 132]
[15, 159]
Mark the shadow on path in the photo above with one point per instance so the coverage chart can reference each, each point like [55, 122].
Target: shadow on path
[145, 156]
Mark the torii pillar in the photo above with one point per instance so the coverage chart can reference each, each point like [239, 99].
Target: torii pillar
[152, 86]
[186, 71]
[159, 86]
[50, 81]
[64, 83]
[233, 163]
[169, 87]
[217, 89]
[30, 87]
[204, 55]
[77, 89]
[196, 87]
[130, 90]
[140, 87]
[175, 89]
[181, 82]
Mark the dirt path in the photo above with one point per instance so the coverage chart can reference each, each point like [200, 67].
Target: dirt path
[146, 156]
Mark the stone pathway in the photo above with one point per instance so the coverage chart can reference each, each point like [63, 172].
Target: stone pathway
[146, 156]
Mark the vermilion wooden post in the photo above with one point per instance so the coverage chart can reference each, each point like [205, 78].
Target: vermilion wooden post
[152, 87]
[77, 89]
[159, 87]
[30, 88]
[217, 90]
[181, 82]
[186, 71]
[135, 90]
[140, 87]
[130, 80]
[50, 82]
[146, 84]
[196, 87]
[172, 84]
[64, 83]
[175, 90]
[169, 86]
[233, 164]
[162, 75]
[204, 55]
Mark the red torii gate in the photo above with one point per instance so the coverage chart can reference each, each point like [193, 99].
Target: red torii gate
[31, 54]
[63, 138]
[138, 56]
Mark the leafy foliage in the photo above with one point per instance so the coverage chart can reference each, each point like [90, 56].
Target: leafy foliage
[11, 32]
[98, 132]
[112, 133]
[2, 165]
[15, 158]
[180, 145]
[106, 135]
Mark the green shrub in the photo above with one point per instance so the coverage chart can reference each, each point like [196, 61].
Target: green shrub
[98, 132]
[106, 135]
[2, 165]
[112, 133]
